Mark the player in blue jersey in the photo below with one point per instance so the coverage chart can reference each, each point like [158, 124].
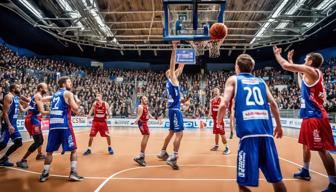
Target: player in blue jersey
[174, 111]
[315, 131]
[33, 124]
[252, 105]
[61, 132]
[9, 128]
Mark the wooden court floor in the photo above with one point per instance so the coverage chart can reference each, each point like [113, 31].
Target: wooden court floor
[200, 169]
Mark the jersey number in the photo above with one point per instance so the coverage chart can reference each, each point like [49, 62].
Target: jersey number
[55, 102]
[256, 92]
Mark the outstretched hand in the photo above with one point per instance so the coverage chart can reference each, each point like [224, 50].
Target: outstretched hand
[175, 43]
[290, 55]
[277, 50]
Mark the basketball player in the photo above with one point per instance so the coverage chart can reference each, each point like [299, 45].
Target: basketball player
[33, 124]
[9, 128]
[315, 132]
[61, 131]
[100, 109]
[143, 115]
[252, 103]
[174, 111]
[218, 129]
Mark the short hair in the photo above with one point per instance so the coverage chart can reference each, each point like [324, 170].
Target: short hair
[317, 59]
[12, 86]
[62, 80]
[39, 86]
[245, 63]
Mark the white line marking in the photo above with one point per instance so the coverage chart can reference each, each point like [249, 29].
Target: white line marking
[289, 161]
[51, 175]
[184, 179]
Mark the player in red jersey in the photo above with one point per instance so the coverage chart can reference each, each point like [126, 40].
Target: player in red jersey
[315, 132]
[143, 115]
[218, 130]
[101, 112]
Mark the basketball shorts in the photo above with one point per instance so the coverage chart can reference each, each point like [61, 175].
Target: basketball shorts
[143, 127]
[33, 124]
[64, 137]
[101, 127]
[316, 133]
[218, 129]
[5, 135]
[175, 120]
[255, 153]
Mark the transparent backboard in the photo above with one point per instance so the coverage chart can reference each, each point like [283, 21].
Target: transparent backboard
[188, 20]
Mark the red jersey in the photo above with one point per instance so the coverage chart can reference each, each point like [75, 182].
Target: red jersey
[100, 112]
[215, 102]
[144, 116]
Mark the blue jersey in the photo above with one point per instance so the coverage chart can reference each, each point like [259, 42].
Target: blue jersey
[60, 112]
[312, 99]
[174, 95]
[252, 111]
[14, 110]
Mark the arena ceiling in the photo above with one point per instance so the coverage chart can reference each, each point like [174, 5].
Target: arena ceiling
[138, 24]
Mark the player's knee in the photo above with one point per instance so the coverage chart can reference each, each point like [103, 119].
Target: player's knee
[18, 143]
[40, 141]
[33, 147]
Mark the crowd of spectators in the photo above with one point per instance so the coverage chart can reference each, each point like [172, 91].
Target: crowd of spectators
[122, 88]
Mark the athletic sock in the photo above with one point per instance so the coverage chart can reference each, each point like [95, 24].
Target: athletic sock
[162, 152]
[306, 165]
[332, 179]
[175, 154]
[46, 168]
[73, 166]
[142, 154]
[89, 148]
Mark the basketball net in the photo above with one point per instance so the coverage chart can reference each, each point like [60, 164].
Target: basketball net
[214, 48]
[199, 46]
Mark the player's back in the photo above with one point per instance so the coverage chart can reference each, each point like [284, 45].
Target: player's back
[100, 111]
[174, 96]
[312, 99]
[60, 112]
[252, 111]
[33, 109]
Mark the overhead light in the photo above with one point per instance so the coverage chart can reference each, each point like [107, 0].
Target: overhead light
[31, 8]
[295, 7]
[326, 4]
[308, 25]
[268, 23]
[282, 25]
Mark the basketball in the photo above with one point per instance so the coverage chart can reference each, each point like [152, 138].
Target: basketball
[218, 31]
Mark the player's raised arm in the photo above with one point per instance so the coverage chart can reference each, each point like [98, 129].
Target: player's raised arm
[179, 70]
[69, 98]
[39, 103]
[228, 95]
[286, 65]
[172, 74]
[278, 132]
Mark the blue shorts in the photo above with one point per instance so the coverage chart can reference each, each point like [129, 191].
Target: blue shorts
[64, 137]
[175, 120]
[255, 153]
[5, 135]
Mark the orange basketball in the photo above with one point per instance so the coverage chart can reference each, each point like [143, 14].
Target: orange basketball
[218, 31]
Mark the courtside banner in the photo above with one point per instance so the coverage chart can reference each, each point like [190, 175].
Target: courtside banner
[186, 56]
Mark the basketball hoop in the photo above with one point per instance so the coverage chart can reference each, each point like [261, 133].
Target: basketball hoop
[198, 46]
[214, 47]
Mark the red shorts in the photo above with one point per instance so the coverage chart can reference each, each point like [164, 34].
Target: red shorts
[316, 133]
[100, 126]
[143, 127]
[33, 125]
[218, 129]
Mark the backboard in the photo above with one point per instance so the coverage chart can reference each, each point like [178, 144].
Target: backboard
[190, 20]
